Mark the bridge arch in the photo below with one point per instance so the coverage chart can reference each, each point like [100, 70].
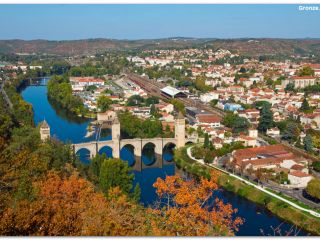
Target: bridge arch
[167, 152]
[127, 153]
[106, 150]
[84, 154]
[148, 153]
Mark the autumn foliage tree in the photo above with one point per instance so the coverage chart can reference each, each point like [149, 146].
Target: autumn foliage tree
[189, 208]
[69, 206]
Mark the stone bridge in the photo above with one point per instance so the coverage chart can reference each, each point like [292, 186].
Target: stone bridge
[138, 144]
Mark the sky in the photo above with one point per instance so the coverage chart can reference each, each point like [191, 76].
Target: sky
[69, 22]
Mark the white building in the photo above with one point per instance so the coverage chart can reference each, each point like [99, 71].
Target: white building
[273, 132]
[207, 97]
[299, 179]
[79, 83]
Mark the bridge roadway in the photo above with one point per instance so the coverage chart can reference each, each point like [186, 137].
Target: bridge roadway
[138, 145]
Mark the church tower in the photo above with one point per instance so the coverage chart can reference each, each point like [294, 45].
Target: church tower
[179, 130]
[44, 130]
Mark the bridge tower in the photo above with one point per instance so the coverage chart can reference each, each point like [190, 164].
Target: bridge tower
[180, 131]
[44, 130]
[115, 132]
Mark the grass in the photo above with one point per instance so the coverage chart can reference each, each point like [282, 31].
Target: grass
[301, 204]
[281, 209]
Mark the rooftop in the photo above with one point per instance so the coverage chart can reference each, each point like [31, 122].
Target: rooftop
[299, 174]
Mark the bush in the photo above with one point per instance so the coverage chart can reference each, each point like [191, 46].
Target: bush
[316, 166]
[313, 188]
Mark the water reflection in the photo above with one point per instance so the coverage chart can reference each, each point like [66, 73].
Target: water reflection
[148, 154]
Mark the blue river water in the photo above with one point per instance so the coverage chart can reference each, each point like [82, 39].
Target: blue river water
[69, 128]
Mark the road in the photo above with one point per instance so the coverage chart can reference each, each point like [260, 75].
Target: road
[261, 188]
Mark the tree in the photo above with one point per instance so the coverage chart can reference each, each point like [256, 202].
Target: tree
[313, 188]
[238, 124]
[69, 206]
[178, 105]
[305, 105]
[291, 132]
[213, 102]
[135, 100]
[60, 92]
[260, 104]
[104, 103]
[91, 88]
[209, 156]
[152, 100]
[266, 118]
[242, 70]
[306, 71]
[231, 99]
[115, 173]
[316, 166]
[57, 210]
[154, 111]
[206, 140]
[137, 193]
[200, 85]
[185, 208]
[307, 143]
[289, 87]
[241, 125]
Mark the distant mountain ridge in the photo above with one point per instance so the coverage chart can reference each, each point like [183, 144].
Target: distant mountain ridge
[245, 46]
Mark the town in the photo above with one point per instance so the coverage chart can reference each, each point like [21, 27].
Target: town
[252, 118]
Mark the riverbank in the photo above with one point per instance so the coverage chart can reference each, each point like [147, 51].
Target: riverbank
[279, 208]
[60, 92]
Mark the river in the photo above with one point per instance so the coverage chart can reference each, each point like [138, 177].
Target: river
[73, 129]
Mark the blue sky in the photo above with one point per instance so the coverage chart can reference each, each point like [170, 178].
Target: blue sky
[66, 22]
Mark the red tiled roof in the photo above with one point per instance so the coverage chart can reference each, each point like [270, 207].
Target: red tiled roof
[302, 77]
[299, 174]
[208, 118]
[297, 167]
[315, 66]
[275, 150]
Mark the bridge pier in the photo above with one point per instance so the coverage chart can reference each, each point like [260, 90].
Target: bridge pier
[137, 163]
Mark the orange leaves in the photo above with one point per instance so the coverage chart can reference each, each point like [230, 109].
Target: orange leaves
[67, 206]
[188, 210]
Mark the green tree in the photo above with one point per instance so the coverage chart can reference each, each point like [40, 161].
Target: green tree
[151, 100]
[266, 118]
[241, 125]
[178, 105]
[201, 86]
[208, 157]
[135, 100]
[291, 132]
[305, 105]
[136, 195]
[103, 103]
[306, 71]
[307, 143]
[238, 124]
[313, 188]
[289, 87]
[113, 173]
[154, 111]
[206, 141]
[213, 102]
[316, 166]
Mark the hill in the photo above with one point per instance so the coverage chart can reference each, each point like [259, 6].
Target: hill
[248, 47]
